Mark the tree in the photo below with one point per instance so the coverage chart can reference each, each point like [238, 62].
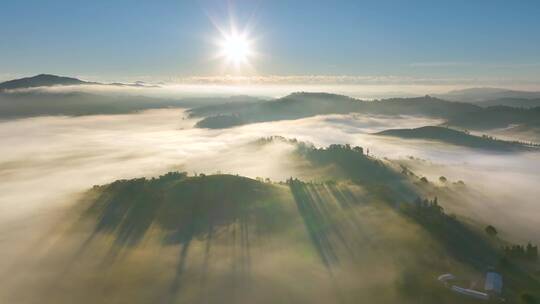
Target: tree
[531, 252]
[460, 183]
[359, 149]
[491, 231]
[442, 179]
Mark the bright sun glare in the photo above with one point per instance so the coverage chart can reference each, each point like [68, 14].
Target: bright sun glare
[236, 49]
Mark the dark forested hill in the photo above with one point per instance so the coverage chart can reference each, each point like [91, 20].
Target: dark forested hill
[37, 103]
[14, 105]
[184, 207]
[497, 117]
[300, 105]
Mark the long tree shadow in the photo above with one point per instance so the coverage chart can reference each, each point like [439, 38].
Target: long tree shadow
[334, 225]
[459, 241]
[317, 223]
[186, 209]
[350, 163]
[331, 220]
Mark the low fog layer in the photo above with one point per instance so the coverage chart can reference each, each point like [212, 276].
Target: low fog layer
[60, 155]
[47, 162]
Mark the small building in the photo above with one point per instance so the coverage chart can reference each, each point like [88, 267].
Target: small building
[494, 283]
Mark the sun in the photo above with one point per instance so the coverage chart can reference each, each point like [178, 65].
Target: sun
[236, 48]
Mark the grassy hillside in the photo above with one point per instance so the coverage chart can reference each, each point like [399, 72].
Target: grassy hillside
[454, 137]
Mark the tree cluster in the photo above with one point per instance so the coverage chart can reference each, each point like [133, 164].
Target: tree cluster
[428, 207]
[490, 230]
[528, 252]
[346, 147]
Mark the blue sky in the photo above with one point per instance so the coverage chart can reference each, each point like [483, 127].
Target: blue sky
[164, 39]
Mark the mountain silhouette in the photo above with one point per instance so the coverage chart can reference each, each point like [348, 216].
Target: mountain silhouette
[41, 80]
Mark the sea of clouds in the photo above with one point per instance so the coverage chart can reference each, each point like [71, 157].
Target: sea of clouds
[46, 163]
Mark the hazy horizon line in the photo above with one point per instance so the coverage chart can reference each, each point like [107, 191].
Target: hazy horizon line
[307, 79]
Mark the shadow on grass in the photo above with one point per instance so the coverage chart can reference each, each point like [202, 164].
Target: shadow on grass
[185, 209]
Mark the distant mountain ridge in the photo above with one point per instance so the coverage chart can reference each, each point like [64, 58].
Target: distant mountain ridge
[18, 104]
[460, 115]
[49, 80]
[455, 137]
[479, 95]
[41, 80]
[496, 117]
[219, 113]
[303, 104]
[511, 102]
